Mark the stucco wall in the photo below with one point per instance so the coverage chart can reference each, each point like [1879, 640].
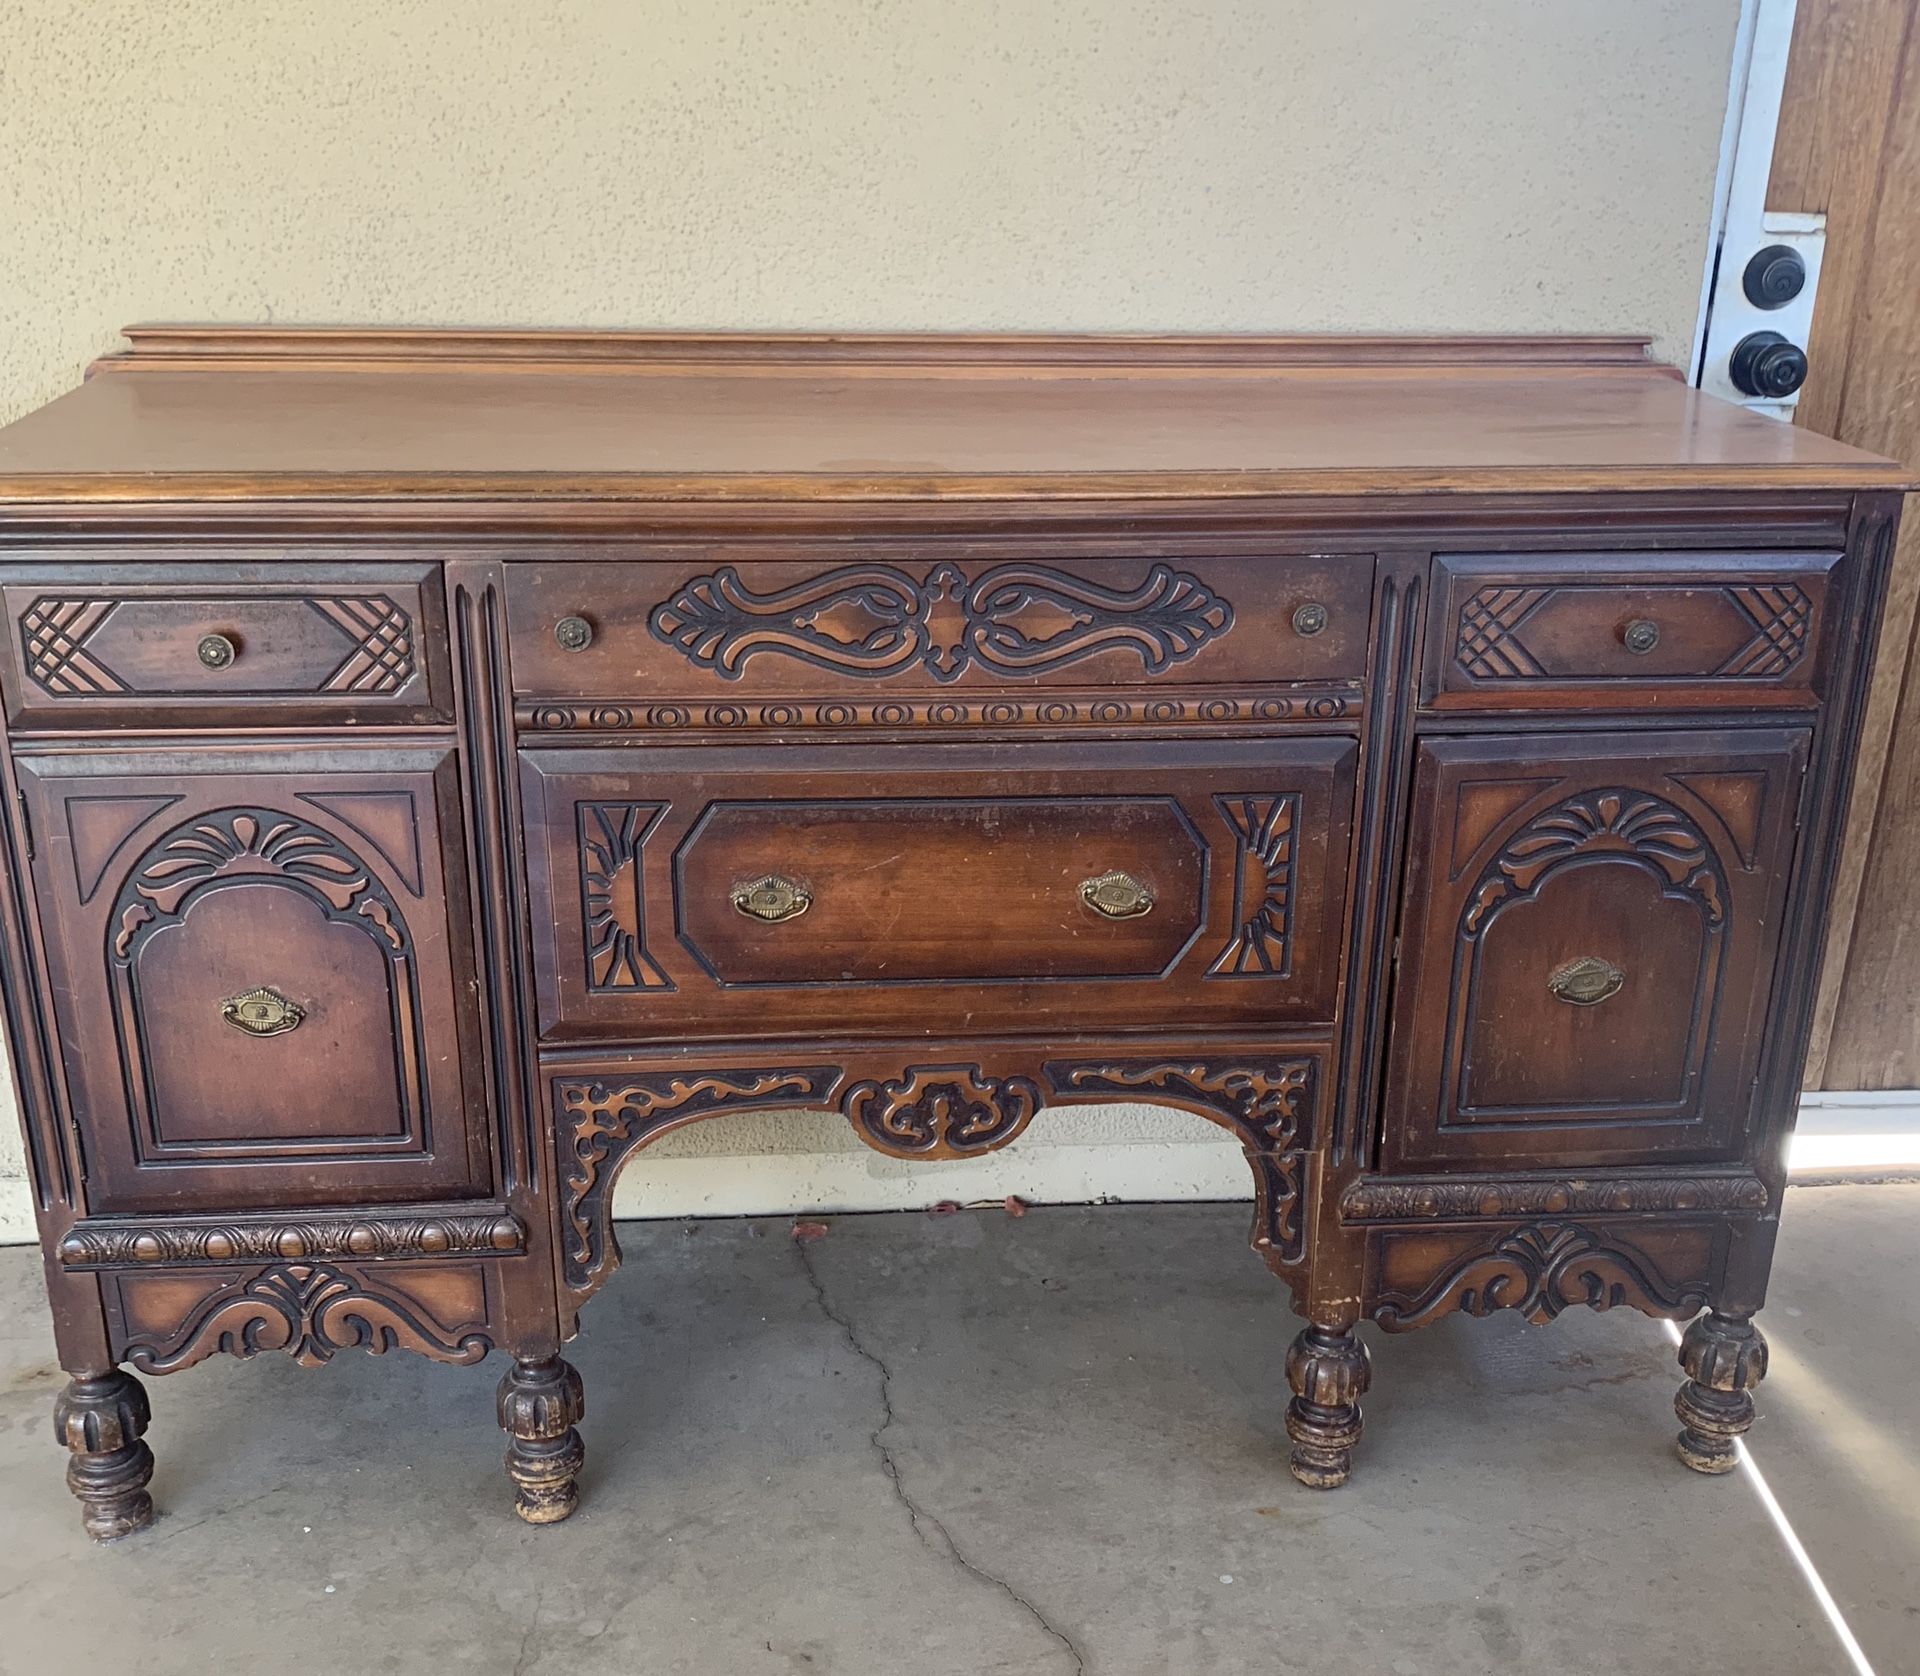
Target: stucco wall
[1126, 164]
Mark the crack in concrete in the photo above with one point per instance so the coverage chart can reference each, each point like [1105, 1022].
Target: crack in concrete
[520, 1664]
[917, 1516]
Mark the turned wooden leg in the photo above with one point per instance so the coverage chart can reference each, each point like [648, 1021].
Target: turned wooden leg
[539, 1403]
[103, 1421]
[1725, 1357]
[1328, 1370]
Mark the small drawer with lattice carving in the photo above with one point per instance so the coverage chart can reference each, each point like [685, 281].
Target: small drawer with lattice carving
[1626, 630]
[223, 645]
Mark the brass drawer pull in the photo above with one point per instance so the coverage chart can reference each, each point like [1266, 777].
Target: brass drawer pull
[575, 634]
[216, 651]
[1310, 619]
[1117, 896]
[1586, 982]
[262, 1012]
[1641, 636]
[773, 898]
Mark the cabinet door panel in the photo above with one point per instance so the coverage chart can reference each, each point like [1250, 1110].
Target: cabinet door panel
[1587, 950]
[257, 979]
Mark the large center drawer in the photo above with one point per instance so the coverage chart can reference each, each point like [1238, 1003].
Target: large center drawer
[685, 892]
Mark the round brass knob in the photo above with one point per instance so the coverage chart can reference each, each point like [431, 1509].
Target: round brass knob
[575, 634]
[216, 651]
[1311, 618]
[1641, 635]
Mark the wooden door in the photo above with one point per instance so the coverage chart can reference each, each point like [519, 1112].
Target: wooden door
[1849, 147]
[262, 994]
[1588, 945]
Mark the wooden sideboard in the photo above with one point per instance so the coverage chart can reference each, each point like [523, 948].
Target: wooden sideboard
[441, 763]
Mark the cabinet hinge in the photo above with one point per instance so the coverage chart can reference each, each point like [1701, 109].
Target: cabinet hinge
[26, 825]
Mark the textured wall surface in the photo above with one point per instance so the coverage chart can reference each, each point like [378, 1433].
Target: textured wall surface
[1078, 164]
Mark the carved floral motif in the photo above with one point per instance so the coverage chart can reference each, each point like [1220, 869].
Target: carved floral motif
[1598, 822]
[229, 843]
[877, 620]
[600, 1123]
[1268, 1104]
[1540, 1270]
[312, 1311]
[614, 897]
[940, 1111]
[1264, 828]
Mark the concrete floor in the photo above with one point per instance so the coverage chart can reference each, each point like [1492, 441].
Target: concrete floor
[981, 1444]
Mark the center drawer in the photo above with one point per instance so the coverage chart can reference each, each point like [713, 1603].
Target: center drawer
[685, 892]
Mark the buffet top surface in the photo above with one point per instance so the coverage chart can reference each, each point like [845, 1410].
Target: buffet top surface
[229, 413]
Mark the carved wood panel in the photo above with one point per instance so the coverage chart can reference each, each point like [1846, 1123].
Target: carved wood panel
[960, 879]
[1540, 1269]
[1620, 629]
[223, 642]
[909, 640]
[258, 975]
[930, 1106]
[877, 620]
[310, 1310]
[1588, 946]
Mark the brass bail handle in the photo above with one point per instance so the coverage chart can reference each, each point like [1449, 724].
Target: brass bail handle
[1116, 896]
[262, 1012]
[1586, 982]
[772, 898]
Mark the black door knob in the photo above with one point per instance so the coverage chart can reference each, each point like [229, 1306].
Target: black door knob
[1765, 364]
[1774, 276]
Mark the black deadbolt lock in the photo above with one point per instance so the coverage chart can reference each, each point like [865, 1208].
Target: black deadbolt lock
[1774, 276]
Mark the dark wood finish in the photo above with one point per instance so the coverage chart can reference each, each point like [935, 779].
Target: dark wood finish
[1661, 861]
[1566, 629]
[941, 878]
[908, 1102]
[728, 639]
[1724, 1357]
[930, 731]
[234, 645]
[1329, 1372]
[177, 882]
[541, 1403]
[103, 1421]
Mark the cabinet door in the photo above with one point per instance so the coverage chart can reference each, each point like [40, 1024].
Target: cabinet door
[261, 995]
[1588, 944]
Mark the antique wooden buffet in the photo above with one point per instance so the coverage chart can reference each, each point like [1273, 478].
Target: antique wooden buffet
[440, 763]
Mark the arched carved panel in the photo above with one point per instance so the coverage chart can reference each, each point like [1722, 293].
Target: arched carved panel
[193, 940]
[931, 1112]
[1587, 949]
